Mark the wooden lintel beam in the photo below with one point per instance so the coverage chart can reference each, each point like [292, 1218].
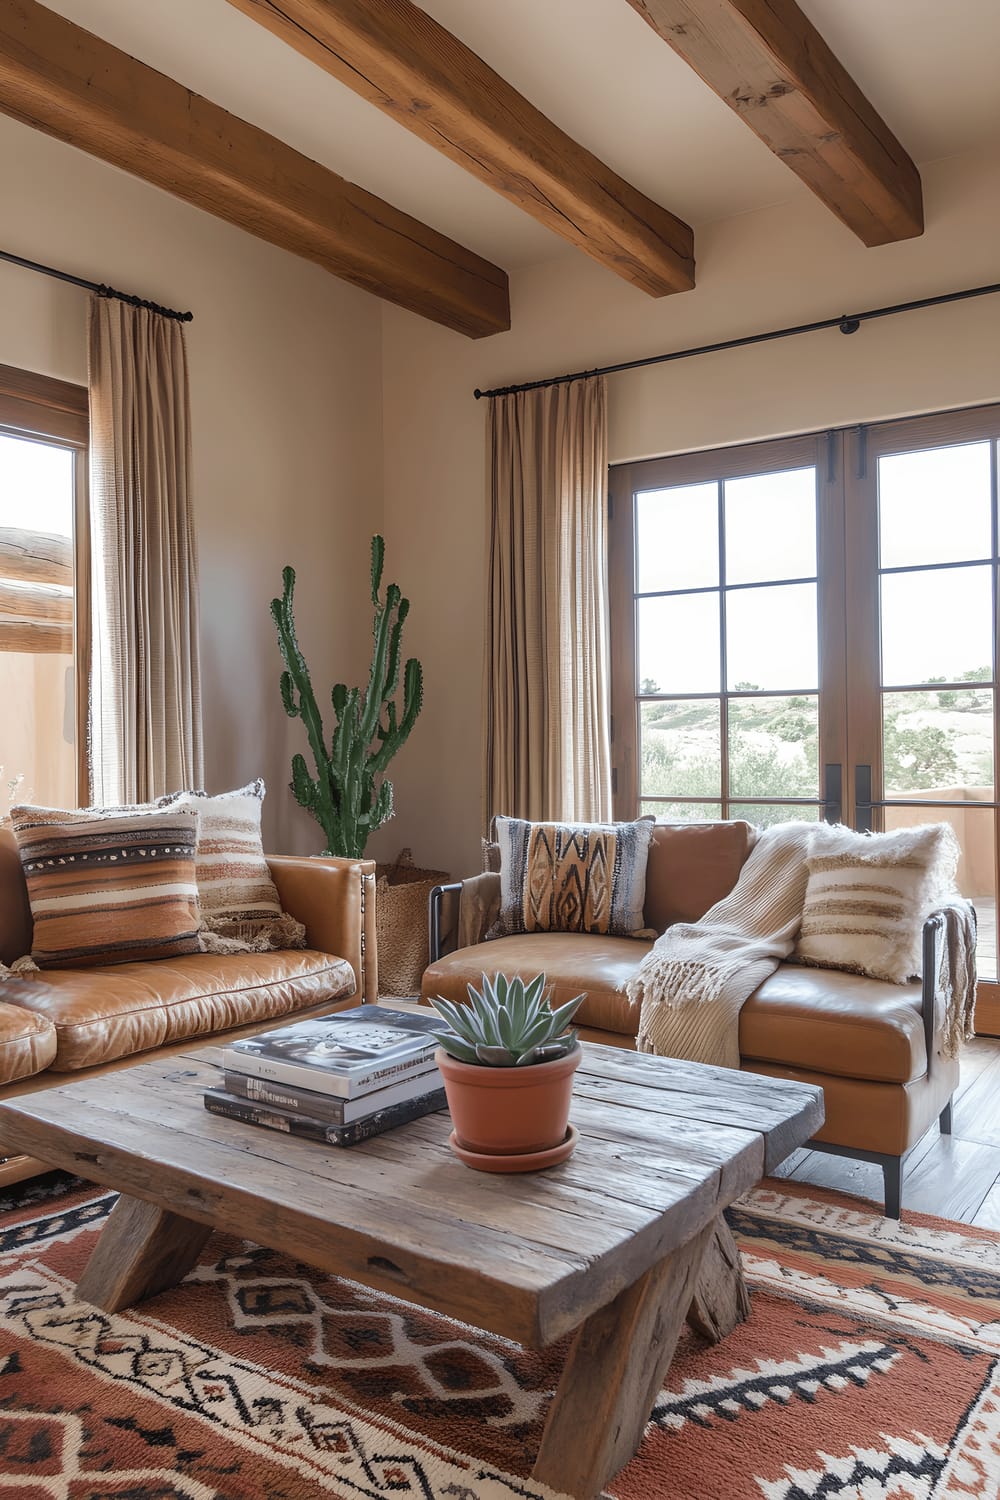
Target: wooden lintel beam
[35, 557]
[36, 601]
[61, 79]
[399, 58]
[30, 636]
[768, 62]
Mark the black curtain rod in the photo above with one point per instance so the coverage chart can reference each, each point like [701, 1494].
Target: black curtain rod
[847, 323]
[94, 286]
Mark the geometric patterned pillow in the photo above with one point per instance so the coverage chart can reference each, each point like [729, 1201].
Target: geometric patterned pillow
[572, 877]
[108, 890]
[238, 899]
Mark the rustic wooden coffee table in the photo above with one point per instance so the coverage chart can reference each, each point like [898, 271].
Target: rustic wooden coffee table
[621, 1243]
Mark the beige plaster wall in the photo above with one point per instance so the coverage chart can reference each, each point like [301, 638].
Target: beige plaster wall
[286, 412]
[790, 263]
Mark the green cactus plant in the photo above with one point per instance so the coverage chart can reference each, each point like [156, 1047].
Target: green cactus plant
[507, 1024]
[349, 795]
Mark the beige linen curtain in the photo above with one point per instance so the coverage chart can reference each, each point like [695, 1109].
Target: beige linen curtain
[145, 691]
[547, 751]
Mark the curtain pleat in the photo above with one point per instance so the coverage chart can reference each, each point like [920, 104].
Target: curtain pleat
[145, 691]
[547, 749]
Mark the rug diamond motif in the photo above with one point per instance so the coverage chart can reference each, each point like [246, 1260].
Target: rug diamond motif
[869, 1370]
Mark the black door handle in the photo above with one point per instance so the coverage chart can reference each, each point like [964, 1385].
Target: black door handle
[833, 793]
[863, 799]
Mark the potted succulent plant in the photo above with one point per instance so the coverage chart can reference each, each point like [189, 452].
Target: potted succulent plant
[508, 1061]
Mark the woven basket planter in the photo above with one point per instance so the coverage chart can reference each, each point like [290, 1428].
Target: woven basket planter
[401, 902]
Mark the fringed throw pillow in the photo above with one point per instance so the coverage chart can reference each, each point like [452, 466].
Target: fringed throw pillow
[867, 898]
[108, 890]
[240, 907]
[572, 877]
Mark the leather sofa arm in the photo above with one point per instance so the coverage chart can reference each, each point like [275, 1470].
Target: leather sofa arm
[335, 900]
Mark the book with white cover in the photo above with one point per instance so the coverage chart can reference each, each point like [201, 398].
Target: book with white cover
[327, 1107]
[348, 1054]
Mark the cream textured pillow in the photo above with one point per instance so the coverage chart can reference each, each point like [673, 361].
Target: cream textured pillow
[572, 877]
[867, 898]
[238, 899]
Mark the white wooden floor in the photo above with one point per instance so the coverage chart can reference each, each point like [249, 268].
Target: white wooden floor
[957, 1176]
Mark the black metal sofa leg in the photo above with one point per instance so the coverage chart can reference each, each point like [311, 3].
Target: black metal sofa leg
[945, 1119]
[892, 1177]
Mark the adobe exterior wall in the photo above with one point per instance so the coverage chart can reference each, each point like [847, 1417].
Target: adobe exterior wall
[789, 263]
[285, 368]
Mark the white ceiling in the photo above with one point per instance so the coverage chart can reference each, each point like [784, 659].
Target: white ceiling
[597, 70]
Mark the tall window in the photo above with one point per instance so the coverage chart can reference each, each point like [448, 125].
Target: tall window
[808, 628]
[43, 445]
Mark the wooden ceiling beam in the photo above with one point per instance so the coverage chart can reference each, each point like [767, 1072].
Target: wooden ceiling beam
[399, 58]
[768, 62]
[63, 80]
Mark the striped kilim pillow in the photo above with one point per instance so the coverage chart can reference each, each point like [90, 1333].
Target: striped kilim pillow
[238, 898]
[866, 902]
[572, 877]
[108, 890]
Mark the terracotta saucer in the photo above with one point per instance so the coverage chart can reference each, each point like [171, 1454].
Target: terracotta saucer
[530, 1161]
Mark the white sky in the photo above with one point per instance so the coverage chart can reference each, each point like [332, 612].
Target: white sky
[36, 486]
[934, 506]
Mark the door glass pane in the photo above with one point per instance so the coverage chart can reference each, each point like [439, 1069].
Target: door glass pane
[771, 526]
[677, 538]
[677, 644]
[939, 741]
[771, 637]
[934, 506]
[684, 812]
[37, 724]
[937, 626]
[976, 871]
[774, 747]
[680, 749]
[766, 814]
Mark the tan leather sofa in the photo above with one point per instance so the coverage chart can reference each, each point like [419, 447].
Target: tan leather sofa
[872, 1046]
[58, 1021]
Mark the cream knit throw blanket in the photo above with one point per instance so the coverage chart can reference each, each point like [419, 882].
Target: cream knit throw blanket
[694, 980]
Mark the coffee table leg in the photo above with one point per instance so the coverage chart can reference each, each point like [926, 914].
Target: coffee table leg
[613, 1374]
[142, 1250]
[721, 1299]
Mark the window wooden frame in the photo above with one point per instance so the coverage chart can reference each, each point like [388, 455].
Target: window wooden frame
[822, 451]
[56, 412]
[848, 572]
[864, 448]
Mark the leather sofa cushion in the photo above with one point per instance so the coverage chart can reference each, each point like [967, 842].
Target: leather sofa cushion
[100, 1014]
[572, 963]
[27, 1043]
[826, 1021]
[690, 867]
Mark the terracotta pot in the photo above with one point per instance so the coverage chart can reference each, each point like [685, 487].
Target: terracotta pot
[509, 1111]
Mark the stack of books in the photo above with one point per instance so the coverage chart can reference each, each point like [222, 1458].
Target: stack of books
[338, 1079]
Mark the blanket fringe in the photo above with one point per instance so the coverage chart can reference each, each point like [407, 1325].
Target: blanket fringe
[691, 983]
[252, 935]
[25, 965]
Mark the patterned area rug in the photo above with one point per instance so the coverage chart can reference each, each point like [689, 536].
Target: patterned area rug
[870, 1368]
